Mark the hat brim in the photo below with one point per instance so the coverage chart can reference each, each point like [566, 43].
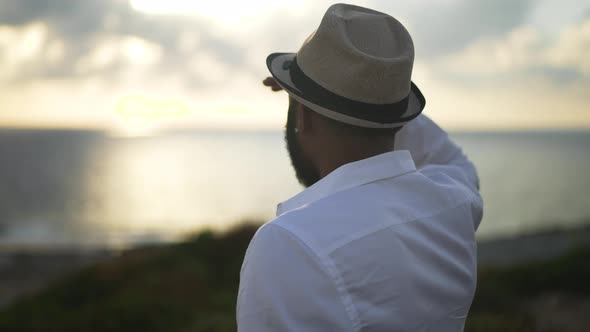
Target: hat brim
[279, 66]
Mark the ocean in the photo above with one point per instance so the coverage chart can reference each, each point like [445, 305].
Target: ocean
[76, 188]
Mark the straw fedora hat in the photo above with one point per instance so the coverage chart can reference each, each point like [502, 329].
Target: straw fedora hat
[355, 68]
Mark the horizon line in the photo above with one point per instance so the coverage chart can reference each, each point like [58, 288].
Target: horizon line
[172, 130]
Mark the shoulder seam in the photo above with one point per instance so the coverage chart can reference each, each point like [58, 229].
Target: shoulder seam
[327, 265]
[382, 226]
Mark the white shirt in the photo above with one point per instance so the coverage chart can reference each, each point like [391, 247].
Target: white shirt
[381, 244]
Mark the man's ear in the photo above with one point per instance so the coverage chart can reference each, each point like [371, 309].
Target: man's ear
[304, 119]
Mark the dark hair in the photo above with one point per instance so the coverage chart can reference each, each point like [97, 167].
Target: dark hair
[351, 130]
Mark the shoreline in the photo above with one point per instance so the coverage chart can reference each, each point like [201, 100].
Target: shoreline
[532, 247]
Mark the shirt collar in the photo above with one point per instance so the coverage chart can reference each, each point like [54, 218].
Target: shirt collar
[383, 166]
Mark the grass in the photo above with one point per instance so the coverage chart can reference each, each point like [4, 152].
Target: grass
[503, 295]
[192, 286]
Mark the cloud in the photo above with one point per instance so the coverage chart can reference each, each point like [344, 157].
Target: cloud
[520, 102]
[78, 30]
[119, 52]
[523, 51]
[572, 49]
[516, 51]
[19, 48]
[77, 58]
[444, 26]
[101, 36]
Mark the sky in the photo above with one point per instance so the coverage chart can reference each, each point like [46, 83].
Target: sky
[145, 65]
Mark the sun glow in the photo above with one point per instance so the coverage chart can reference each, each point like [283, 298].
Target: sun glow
[140, 113]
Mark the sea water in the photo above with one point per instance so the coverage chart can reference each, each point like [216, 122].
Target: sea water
[74, 188]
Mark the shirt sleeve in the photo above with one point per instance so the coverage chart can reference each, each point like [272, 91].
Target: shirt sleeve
[284, 287]
[434, 151]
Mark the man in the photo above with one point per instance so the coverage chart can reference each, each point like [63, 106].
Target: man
[383, 238]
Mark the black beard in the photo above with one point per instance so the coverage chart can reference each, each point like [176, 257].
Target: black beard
[304, 170]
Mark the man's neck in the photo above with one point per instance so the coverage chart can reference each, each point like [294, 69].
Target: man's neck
[350, 153]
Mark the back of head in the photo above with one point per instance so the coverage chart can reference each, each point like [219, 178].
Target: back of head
[344, 130]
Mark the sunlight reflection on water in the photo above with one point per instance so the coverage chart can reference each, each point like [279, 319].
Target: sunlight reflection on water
[76, 188]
